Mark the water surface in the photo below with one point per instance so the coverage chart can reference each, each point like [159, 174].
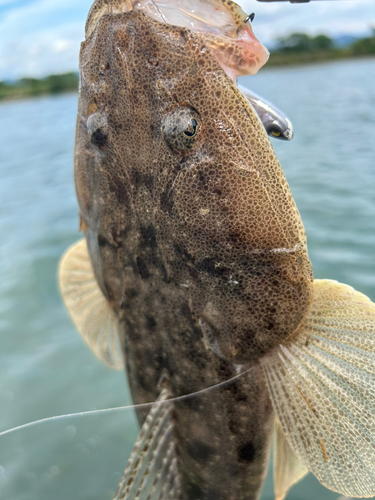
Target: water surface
[45, 368]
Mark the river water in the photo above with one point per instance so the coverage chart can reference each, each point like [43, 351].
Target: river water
[46, 370]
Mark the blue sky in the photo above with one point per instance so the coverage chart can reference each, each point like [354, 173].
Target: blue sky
[40, 37]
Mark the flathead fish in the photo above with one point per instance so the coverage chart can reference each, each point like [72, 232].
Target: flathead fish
[194, 269]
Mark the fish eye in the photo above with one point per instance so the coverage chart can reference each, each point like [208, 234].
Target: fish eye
[181, 128]
[275, 130]
[191, 133]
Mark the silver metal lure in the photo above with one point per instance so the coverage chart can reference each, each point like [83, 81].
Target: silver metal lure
[276, 123]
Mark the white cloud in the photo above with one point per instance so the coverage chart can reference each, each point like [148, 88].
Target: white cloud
[62, 45]
[43, 37]
[330, 17]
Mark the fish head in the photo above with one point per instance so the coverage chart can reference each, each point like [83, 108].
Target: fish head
[166, 140]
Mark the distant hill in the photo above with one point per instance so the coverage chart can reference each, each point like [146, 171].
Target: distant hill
[342, 41]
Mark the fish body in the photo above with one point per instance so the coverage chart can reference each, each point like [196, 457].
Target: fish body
[196, 252]
[176, 269]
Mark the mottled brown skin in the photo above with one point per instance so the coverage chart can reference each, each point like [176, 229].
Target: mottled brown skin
[186, 222]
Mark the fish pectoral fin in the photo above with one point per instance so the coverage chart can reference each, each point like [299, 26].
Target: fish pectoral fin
[151, 472]
[322, 387]
[91, 313]
[287, 467]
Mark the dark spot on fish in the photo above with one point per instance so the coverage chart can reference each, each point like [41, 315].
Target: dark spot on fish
[164, 272]
[102, 241]
[142, 268]
[195, 491]
[232, 426]
[225, 370]
[199, 451]
[185, 310]
[183, 254]
[213, 495]
[208, 265]
[166, 202]
[149, 236]
[99, 138]
[235, 237]
[246, 452]
[140, 179]
[239, 394]
[150, 321]
[131, 293]
[193, 404]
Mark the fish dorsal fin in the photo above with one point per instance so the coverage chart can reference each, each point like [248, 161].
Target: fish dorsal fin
[322, 388]
[151, 472]
[90, 311]
[287, 468]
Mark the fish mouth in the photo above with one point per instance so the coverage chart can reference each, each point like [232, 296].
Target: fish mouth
[223, 25]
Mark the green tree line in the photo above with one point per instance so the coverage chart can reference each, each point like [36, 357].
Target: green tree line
[53, 84]
[300, 48]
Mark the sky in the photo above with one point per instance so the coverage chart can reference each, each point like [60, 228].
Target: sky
[42, 37]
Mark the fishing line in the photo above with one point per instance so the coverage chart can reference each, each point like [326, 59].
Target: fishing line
[160, 12]
[120, 408]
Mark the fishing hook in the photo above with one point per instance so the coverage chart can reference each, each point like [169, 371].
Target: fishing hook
[250, 18]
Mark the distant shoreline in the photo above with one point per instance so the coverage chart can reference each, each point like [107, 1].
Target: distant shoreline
[280, 59]
[68, 82]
